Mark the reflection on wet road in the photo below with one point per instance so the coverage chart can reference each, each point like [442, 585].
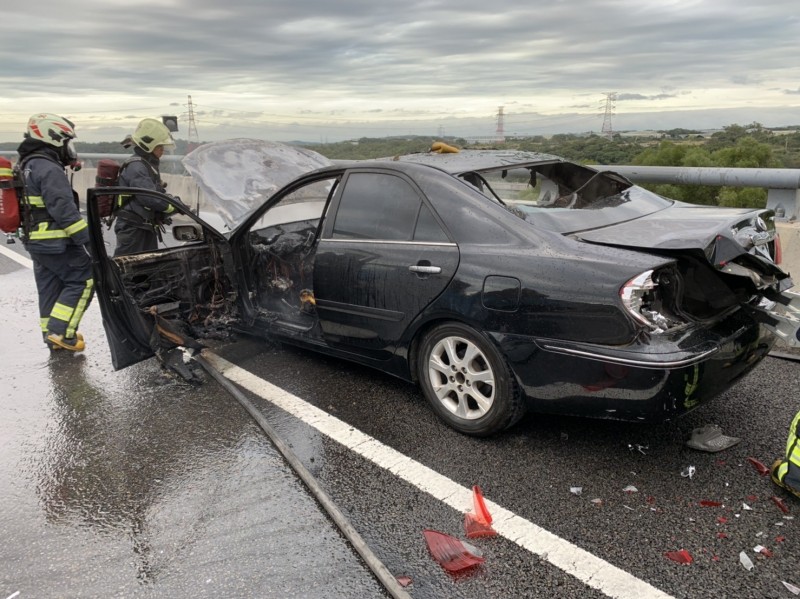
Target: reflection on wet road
[115, 484]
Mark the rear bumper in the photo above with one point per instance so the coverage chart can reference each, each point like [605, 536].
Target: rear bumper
[652, 380]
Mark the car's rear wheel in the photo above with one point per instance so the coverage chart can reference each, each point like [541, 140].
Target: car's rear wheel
[467, 381]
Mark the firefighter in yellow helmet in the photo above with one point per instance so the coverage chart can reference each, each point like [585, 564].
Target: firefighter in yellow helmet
[786, 473]
[55, 233]
[139, 216]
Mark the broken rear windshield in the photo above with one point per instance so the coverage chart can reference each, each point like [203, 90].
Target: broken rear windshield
[566, 198]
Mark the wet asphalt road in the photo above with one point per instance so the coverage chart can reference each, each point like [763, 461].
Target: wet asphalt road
[135, 484]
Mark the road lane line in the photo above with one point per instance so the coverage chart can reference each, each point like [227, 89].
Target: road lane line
[26, 262]
[586, 567]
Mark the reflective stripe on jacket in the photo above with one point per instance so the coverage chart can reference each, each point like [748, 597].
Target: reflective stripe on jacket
[54, 219]
[791, 464]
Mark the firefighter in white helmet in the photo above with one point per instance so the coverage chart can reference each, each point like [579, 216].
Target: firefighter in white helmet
[55, 233]
[140, 217]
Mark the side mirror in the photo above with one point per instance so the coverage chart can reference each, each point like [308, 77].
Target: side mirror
[184, 233]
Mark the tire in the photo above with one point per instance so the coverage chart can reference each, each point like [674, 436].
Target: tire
[467, 381]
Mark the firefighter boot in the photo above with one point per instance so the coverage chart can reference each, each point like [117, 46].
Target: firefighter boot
[53, 346]
[75, 344]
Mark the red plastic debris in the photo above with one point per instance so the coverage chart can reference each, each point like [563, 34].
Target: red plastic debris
[761, 468]
[781, 504]
[479, 523]
[722, 520]
[752, 498]
[403, 580]
[450, 553]
[765, 552]
[681, 557]
[722, 535]
[651, 500]
[780, 539]
[707, 503]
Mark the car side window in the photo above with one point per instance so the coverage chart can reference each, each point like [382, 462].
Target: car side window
[427, 227]
[376, 206]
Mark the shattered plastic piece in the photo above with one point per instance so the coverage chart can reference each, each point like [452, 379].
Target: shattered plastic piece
[722, 535]
[780, 539]
[451, 553]
[746, 507]
[710, 438]
[576, 490]
[791, 588]
[403, 580]
[745, 561]
[597, 501]
[479, 522]
[707, 503]
[681, 557]
[762, 550]
[722, 520]
[760, 468]
[637, 447]
[780, 503]
[630, 489]
[688, 472]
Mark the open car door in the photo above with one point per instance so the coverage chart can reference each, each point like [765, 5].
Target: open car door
[153, 301]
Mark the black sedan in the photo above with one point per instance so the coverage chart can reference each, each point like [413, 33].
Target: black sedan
[498, 281]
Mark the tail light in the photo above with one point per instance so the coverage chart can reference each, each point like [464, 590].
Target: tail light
[644, 301]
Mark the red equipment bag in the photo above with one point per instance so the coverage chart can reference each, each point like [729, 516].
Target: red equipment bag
[107, 175]
[9, 199]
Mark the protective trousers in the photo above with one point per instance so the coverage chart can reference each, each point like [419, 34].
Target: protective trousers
[65, 285]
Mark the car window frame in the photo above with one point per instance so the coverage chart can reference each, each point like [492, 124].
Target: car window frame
[333, 210]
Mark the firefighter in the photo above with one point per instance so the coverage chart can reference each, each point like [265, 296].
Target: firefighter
[786, 473]
[140, 218]
[55, 233]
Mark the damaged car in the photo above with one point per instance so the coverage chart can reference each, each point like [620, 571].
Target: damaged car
[498, 281]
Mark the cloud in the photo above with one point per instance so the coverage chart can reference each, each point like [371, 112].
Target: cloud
[379, 63]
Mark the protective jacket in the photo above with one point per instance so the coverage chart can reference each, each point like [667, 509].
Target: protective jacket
[787, 472]
[53, 221]
[141, 211]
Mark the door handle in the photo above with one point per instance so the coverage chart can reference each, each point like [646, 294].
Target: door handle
[425, 270]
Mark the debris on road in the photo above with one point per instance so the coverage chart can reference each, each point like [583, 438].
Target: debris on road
[451, 553]
[478, 523]
[630, 489]
[688, 472]
[760, 468]
[745, 561]
[682, 556]
[780, 503]
[791, 588]
[576, 490]
[404, 580]
[707, 503]
[710, 438]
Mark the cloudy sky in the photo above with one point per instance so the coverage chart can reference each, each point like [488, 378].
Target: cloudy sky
[327, 70]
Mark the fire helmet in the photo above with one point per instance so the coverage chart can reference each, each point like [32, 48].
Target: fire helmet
[55, 131]
[151, 133]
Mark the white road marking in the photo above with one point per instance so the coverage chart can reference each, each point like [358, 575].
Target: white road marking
[586, 567]
[26, 262]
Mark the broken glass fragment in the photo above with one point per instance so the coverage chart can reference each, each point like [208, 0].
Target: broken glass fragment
[781, 504]
[745, 561]
[791, 588]
[630, 489]
[746, 507]
[403, 580]
[451, 553]
[576, 490]
[681, 557]
[760, 468]
[479, 522]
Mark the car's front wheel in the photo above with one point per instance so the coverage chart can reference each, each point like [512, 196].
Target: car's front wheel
[467, 380]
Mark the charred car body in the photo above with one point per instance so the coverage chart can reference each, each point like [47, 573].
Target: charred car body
[498, 281]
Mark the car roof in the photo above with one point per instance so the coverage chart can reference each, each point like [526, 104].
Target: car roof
[476, 160]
